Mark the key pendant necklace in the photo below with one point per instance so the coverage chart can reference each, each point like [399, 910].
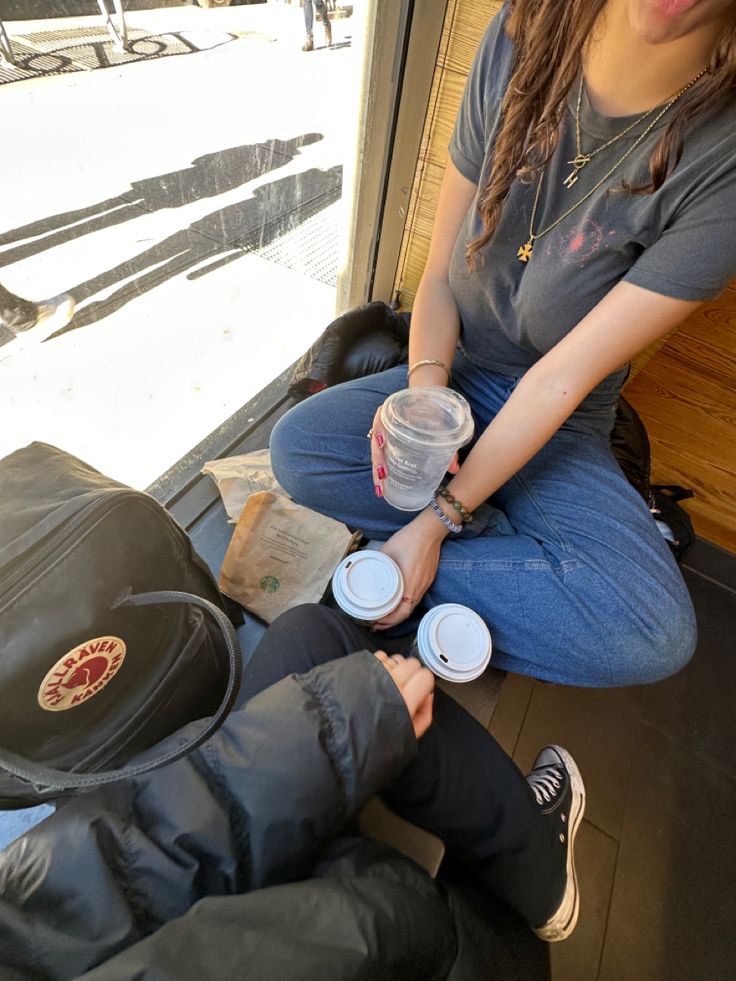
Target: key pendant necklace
[525, 251]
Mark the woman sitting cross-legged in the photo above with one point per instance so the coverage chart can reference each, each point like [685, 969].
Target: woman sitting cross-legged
[586, 210]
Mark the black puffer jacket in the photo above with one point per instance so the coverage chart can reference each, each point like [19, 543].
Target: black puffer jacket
[359, 342]
[234, 862]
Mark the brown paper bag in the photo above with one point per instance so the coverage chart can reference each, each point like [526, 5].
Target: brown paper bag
[281, 554]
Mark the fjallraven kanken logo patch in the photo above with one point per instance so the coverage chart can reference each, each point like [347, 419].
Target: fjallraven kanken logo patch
[81, 673]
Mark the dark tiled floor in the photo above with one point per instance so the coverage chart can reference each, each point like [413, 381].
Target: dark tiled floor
[657, 851]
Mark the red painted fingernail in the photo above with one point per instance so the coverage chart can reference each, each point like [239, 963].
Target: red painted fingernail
[379, 439]
[379, 490]
[381, 471]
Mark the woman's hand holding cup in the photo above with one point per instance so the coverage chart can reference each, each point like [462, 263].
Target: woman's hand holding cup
[415, 548]
[377, 436]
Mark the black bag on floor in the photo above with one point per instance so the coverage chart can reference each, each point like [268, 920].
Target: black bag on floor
[666, 508]
[360, 342]
[630, 445]
[112, 630]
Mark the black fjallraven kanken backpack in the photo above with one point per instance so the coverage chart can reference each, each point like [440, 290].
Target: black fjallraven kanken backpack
[113, 633]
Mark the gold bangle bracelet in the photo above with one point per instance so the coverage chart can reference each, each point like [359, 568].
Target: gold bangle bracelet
[418, 364]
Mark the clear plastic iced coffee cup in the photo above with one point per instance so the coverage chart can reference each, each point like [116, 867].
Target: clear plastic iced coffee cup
[453, 642]
[423, 428]
[367, 585]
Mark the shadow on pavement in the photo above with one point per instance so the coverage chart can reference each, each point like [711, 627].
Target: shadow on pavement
[208, 176]
[224, 235]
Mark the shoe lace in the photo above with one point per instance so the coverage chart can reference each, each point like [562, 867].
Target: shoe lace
[545, 782]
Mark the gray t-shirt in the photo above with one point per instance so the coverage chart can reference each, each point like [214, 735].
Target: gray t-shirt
[680, 241]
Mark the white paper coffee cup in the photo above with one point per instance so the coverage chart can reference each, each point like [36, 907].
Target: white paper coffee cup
[367, 585]
[453, 642]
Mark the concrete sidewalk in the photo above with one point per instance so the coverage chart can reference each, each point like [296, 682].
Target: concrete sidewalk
[191, 204]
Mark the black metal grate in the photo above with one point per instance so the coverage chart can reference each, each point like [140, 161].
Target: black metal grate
[86, 48]
[51, 40]
[311, 248]
[30, 63]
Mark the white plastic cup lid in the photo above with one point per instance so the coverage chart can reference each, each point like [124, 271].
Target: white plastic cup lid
[367, 585]
[454, 642]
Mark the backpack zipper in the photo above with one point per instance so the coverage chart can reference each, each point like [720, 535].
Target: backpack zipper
[59, 537]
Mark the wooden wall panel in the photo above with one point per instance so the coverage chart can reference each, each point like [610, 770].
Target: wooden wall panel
[684, 386]
[686, 395]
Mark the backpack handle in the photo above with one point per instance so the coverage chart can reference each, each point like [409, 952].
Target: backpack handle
[48, 778]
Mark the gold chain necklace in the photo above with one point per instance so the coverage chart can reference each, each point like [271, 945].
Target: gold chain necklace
[524, 253]
[581, 159]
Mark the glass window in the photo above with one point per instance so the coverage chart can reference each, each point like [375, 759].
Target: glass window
[179, 176]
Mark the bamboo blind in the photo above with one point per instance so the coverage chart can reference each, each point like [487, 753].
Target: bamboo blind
[684, 388]
[465, 22]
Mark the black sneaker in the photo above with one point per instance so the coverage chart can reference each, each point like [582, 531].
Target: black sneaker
[558, 788]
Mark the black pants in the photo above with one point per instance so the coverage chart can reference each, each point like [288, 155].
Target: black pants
[461, 786]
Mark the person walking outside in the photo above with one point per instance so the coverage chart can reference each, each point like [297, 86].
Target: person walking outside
[322, 11]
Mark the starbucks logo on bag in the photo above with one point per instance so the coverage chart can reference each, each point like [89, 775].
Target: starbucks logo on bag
[81, 673]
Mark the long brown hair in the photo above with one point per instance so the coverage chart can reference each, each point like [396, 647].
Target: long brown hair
[549, 38]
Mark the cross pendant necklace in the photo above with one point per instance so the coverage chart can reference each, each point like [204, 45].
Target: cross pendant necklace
[578, 163]
[525, 251]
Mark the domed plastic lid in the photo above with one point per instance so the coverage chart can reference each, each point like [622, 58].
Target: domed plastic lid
[367, 585]
[433, 416]
[454, 642]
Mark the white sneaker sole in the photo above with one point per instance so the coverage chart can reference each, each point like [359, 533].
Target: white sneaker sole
[564, 920]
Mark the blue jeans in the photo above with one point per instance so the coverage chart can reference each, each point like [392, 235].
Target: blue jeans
[567, 567]
[309, 13]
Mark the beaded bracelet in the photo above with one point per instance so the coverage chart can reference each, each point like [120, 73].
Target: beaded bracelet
[447, 522]
[465, 515]
[418, 364]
